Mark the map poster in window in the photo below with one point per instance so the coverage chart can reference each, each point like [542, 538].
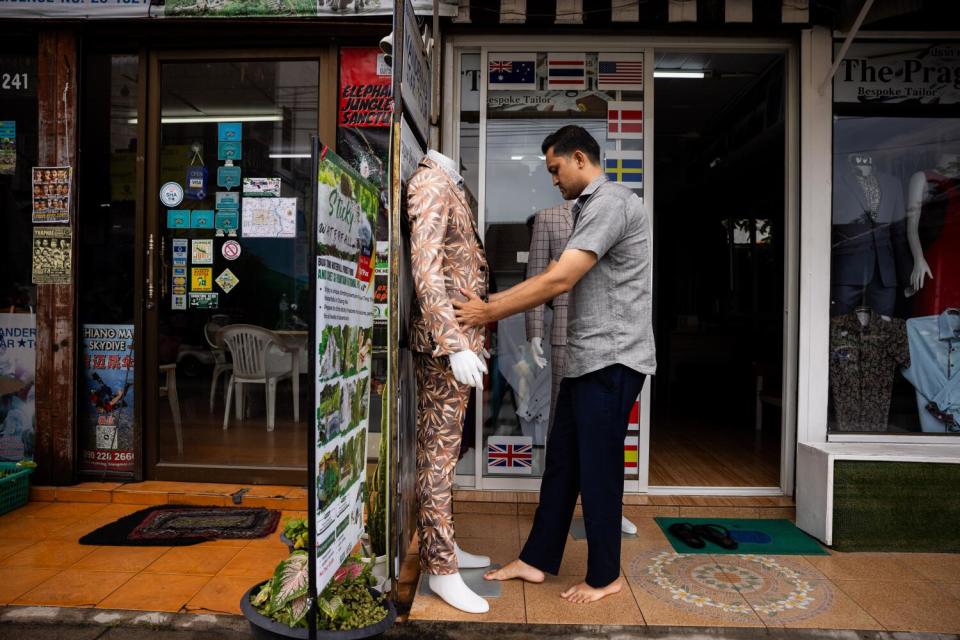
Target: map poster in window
[268, 217]
[107, 406]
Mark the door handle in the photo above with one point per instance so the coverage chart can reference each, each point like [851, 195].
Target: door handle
[164, 280]
[149, 283]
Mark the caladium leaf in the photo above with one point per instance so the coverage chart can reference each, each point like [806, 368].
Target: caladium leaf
[262, 596]
[291, 579]
[298, 609]
[330, 607]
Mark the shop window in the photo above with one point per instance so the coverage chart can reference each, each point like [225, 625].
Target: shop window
[18, 298]
[529, 96]
[363, 140]
[895, 241]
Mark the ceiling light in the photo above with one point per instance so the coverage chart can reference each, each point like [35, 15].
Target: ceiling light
[279, 156]
[678, 73]
[516, 157]
[272, 117]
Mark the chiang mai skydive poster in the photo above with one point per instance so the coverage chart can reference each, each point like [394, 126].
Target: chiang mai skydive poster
[346, 218]
[106, 432]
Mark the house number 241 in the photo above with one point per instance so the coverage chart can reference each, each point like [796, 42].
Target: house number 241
[14, 82]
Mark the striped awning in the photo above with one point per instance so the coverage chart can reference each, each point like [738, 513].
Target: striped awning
[642, 13]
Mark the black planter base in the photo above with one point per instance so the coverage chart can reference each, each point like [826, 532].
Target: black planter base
[264, 628]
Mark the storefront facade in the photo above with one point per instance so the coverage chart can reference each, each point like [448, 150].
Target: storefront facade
[737, 128]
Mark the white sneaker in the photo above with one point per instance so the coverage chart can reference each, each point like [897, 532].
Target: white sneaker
[627, 527]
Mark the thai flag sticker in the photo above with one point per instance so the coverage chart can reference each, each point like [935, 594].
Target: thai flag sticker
[567, 71]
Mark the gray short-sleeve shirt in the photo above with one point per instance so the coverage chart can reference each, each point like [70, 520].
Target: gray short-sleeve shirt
[610, 314]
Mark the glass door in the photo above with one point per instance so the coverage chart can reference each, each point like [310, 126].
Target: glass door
[229, 190]
[518, 97]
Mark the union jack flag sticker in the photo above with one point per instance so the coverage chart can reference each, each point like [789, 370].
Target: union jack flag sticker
[510, 455]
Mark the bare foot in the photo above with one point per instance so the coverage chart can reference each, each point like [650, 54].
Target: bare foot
[583, 593]
[516, 569]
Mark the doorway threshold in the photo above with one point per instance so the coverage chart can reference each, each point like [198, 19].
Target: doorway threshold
[151, 492]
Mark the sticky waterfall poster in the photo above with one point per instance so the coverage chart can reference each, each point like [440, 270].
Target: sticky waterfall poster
[346, 215]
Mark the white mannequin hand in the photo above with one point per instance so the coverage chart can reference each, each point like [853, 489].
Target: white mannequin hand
[536, 348]
[468, 368]
[920, 270]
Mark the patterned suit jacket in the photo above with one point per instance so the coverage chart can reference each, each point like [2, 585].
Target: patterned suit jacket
[551, 230]
[446, 254]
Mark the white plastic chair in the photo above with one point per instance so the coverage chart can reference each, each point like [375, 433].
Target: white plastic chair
[169, 389]
[259, 357]
[220, 364]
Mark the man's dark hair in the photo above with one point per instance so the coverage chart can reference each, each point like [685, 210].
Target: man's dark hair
[570, 138]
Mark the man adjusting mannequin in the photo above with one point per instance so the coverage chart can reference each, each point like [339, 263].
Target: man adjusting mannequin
[551, 230]
[446, 255]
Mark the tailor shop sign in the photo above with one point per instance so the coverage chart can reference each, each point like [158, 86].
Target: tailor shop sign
[901, 74]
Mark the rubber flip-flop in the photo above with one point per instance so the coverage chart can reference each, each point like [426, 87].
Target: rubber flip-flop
[716, 534]
[684, 531]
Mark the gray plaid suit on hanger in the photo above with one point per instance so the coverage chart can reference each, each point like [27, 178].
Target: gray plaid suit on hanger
[551, 230]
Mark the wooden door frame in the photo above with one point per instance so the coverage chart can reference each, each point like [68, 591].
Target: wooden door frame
[327, 78]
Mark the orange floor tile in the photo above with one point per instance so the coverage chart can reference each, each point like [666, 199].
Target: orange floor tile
[41, 563]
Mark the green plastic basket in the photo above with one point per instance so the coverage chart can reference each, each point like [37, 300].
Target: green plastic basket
[14, 488]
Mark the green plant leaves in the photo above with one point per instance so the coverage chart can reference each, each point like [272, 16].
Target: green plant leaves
[291, 580]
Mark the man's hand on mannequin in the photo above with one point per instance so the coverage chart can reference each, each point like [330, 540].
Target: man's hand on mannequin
[536, 348]
[468, 368]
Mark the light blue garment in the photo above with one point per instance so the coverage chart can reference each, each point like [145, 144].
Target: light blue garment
[935, 366]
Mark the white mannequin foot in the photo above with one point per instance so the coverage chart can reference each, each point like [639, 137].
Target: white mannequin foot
[627, 527]
[454, 591]
[470, 560]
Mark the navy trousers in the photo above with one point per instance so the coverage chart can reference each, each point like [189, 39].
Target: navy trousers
[585, 457]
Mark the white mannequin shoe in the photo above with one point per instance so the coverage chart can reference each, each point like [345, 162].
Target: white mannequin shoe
[454, 591]
[627, 527]
[470, 560]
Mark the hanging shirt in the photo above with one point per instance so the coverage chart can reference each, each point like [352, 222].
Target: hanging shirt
[935, 372]
[863, 361]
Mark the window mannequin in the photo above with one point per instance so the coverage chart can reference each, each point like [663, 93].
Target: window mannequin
[446, 255]
[933, 231]
[869, 255]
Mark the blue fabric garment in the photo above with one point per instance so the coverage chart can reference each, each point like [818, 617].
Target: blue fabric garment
[935, 368]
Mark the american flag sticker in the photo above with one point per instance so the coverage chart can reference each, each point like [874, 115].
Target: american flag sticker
[510, 455]
[622, 71]
[624, 167]
[512, 71]
[624, 120]
[567, 71]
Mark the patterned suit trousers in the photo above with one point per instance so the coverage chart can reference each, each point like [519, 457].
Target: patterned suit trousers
[441, 404]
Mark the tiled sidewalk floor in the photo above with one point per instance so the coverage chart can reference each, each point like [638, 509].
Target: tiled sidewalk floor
[865, 591]
[42, 564]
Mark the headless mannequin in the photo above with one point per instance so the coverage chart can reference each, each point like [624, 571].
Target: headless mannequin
[918, 192]
[467, 369]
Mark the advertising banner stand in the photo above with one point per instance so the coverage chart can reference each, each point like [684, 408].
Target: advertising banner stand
[341, 338]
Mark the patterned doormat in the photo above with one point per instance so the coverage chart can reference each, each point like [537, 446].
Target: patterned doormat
[182, 525]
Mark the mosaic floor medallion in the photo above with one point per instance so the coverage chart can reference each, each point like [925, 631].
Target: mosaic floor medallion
[717, 586]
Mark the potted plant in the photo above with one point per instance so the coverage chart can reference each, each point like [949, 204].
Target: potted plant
[295, 534]
[346, 610]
